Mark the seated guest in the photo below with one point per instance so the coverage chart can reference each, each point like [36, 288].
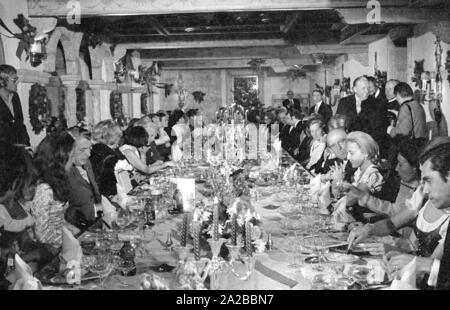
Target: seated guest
[104, 155]
[83, 189]
[317, 146]
[320, 107]
[52, 162]
[408, 170]
[135, 148]
[337, 154]
[15, 221]
[162, 140]
[337, 121]
[411, 116]
[291, 141]
[363, 155]
[152, 156]
[179, 133]
[435, 170]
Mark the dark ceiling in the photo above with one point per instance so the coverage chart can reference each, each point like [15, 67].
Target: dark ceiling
[318, 26]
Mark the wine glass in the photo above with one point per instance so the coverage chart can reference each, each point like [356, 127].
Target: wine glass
[102, 267]
[294, 249]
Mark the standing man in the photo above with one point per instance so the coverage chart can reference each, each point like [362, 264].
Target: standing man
[361, 112]
[291, 102]
[320, 107]
[12, 128]
[411, 119]
[392, 105]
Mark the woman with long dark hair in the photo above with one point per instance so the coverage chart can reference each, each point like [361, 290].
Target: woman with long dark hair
[52, 161]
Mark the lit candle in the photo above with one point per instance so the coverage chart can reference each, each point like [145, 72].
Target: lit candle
[216, 219]
[196, 232]
[248, 238]
[234, 229]
[184, 229]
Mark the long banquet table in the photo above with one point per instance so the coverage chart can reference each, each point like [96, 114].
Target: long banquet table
[273, 271]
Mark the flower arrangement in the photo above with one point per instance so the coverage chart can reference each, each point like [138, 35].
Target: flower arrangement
[39, 108]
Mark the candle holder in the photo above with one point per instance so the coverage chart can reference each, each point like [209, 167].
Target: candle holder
[182, 252]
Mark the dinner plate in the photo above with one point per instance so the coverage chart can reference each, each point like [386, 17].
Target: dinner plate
[341, 258]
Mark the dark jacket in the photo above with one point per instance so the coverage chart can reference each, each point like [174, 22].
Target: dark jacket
[369, 120]
[103, 160]
[82, 197]
[12, 128]
[291, 140]
[153, 154]
[287, 104]
[324, 110]
[443, 281]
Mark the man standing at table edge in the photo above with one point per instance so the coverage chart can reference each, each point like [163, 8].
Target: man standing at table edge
[435, 168]
[12, 128]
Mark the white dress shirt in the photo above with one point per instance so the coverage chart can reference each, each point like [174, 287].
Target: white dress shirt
[317, 107]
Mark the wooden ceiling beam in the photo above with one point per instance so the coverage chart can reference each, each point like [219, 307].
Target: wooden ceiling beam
[396, 15]
[133, 7]
[290, 22]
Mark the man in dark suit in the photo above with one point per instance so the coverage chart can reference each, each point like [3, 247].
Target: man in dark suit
[435, 170]
[291, 102]
[12, 128]
[361, 112]
[291, 141]
[320, 107]
[84, 193]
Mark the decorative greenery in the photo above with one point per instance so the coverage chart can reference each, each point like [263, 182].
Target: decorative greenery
[381, 78]
[295, 74]
[245, 93]
[198, 96]
[39, 108]
[81, 106]
[26, 37]
[256, 63]
[447, 65]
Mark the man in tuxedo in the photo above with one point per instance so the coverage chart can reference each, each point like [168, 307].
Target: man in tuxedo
[12, 128]
[291, 102]
[435, 170]
[361, 112]
[392, 104]
[320, 107]
[291, 141]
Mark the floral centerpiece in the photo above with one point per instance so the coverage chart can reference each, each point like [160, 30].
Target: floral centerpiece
[39, 108]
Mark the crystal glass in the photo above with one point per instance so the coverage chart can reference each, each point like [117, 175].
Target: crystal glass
[102, 267]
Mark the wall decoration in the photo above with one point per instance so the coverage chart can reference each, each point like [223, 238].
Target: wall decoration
[295, 74]
[256, 63]
[144, 106]
[81, 106]
[447, 65]
[418, 70]
[32, 40]
[116, 108]
[167, 88]
[39, 108]
[246, 91]
[198, 96]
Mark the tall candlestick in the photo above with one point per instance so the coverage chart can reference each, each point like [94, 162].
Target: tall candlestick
[216, 219]
[184, 228]
[248, 238]
[196, 232]
[234, 229]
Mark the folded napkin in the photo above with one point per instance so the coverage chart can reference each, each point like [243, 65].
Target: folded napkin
[275, 275]
[24, 276]
[109, 211]
[408, 278]
[71, 249]
[320, 192]
[340, 214]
